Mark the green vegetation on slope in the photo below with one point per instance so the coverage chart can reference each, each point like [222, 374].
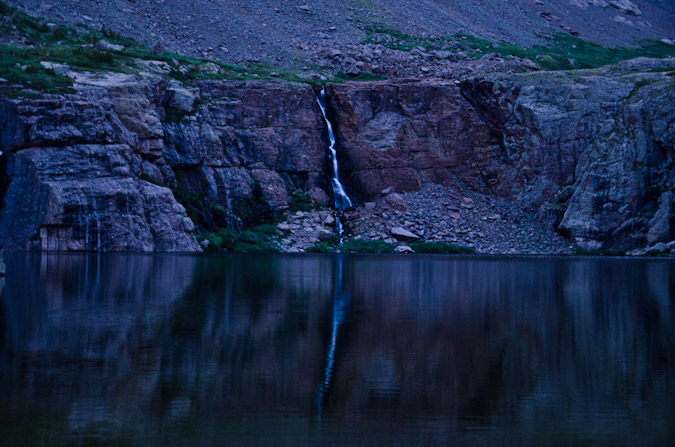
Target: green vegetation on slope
[561, 52]
[76, 46]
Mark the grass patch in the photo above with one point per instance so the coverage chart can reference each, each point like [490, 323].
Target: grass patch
[390, 37]
[21, 66]
[371, 246]
[560, 52]
[301, 201]
[564, 52]
[366, 246]
[444, 248]
[259, 239]
[659, 254]
[330, 245]
[75, 46]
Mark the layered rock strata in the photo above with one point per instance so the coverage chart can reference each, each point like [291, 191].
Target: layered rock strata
[114, 166]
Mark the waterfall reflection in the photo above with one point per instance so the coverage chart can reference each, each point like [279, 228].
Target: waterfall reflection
[340, 303]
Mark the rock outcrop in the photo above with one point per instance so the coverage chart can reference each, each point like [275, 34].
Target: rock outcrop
[593, 150]
[132, 163]
[101, 169]
[74, 174]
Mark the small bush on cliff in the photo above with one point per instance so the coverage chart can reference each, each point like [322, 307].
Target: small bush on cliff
[366, 246]
[253, 240]
[19, 66]
[327, 246]
[301, 201]
[440, 248]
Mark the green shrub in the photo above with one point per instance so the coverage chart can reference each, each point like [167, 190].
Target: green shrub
[301, 201]
[207, 214]
[22, 66]
[445, 248]
[256, 239]
[327, 246]
[366, 246]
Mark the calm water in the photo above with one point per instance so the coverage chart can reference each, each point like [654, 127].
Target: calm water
[336, 350]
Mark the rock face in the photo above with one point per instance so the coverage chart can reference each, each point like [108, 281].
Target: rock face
[593, 151]
[107, 168]
[101, 169]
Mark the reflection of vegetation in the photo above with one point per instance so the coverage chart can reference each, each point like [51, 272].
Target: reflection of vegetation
[561, 51]
[262, 238]
[443, 248]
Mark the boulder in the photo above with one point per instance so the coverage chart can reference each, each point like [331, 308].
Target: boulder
[181, 99]
[2, 266]
[404, 249]
[105, 45]
[402, 234]
[396, 202]
[625, 6]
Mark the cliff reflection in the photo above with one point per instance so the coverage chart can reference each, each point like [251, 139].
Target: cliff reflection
[208, 349]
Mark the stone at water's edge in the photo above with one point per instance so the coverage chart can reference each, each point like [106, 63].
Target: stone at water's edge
[2, 266]
[590, 151]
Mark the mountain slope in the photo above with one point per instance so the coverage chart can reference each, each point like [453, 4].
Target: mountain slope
[294, 34]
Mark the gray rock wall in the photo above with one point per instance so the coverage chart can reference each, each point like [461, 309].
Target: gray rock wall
[101, 170]
[592, 151]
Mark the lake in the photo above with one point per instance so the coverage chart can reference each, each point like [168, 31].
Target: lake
[305, 350]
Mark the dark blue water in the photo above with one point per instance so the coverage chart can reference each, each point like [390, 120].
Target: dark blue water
[336, 350]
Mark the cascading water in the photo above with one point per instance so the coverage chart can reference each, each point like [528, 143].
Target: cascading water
[341, 198]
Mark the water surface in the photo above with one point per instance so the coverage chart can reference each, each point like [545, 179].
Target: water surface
[336, 350]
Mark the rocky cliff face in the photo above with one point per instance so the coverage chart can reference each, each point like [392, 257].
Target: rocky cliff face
[591, 150]
[102, 169]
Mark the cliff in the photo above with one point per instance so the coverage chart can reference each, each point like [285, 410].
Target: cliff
[114, 166]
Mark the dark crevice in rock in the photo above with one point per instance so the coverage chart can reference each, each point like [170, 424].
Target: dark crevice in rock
[5, 179]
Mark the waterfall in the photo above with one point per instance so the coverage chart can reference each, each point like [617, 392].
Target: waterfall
[341, 199]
